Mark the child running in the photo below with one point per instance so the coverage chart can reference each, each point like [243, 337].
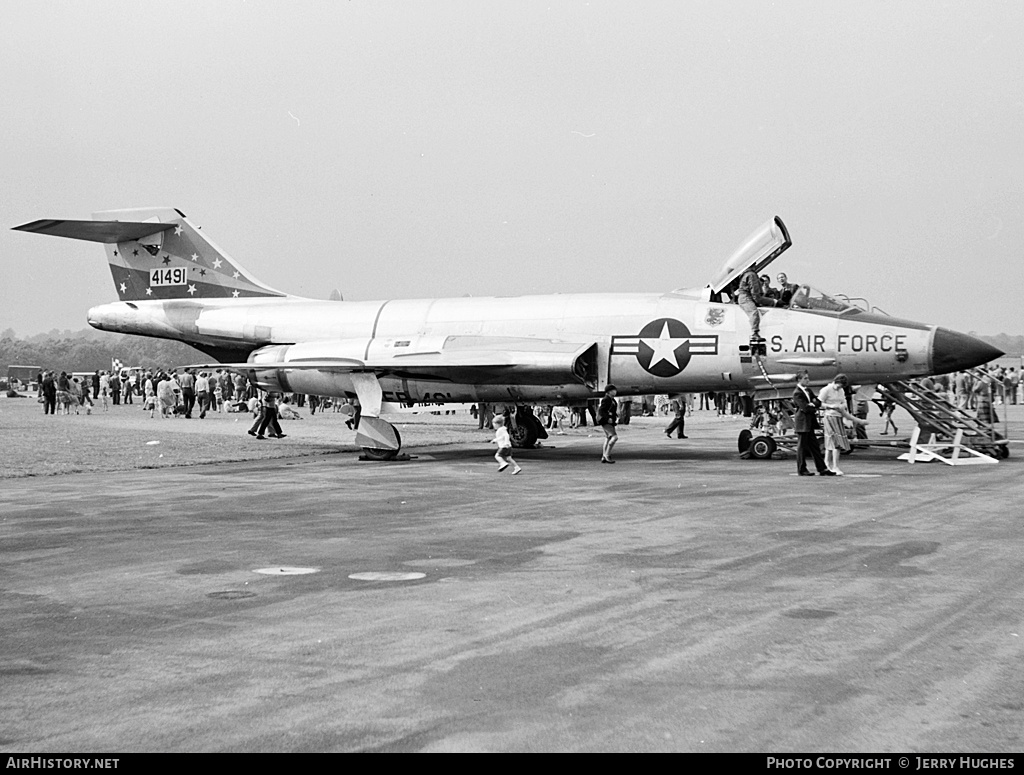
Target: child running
[504, 442]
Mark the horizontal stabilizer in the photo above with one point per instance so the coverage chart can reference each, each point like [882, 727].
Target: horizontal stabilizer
[95, 231]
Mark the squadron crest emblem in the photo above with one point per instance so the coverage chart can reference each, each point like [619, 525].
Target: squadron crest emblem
[664, 346]
[715, 316]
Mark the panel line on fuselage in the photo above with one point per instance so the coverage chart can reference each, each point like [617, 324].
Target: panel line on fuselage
[373, 331]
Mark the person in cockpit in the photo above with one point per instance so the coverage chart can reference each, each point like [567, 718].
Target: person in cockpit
[786, 289]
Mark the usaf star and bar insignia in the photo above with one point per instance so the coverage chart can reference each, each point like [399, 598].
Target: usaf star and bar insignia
[664, 346]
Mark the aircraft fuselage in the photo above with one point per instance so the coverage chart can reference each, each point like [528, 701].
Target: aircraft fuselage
[642, 343]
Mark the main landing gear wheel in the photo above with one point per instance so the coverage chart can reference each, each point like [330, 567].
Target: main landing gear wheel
[526, 430]
[523, 435]
[744, 440]
[379, 439]
[762, 447]
[375, 453]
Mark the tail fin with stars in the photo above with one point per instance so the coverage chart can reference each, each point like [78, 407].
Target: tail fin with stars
[157, 253]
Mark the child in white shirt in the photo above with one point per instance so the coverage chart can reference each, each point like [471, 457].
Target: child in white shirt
[504, 442]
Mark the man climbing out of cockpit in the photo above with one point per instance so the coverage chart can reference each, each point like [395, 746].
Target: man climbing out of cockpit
[748, 296]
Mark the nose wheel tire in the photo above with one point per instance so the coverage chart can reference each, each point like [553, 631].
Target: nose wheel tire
[762, 447]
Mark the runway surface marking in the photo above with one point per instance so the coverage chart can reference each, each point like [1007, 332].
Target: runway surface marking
[386, 576]
[286, 571]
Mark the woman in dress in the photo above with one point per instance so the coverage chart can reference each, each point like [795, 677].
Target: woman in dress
[165, 396]
[833, 401]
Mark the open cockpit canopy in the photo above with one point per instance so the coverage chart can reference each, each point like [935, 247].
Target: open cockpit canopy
[756, 252]
[759, 249]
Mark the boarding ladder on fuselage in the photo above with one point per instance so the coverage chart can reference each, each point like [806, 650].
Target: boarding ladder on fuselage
[943, 427]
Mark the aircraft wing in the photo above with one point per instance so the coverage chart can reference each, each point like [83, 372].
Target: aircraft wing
[479, 360]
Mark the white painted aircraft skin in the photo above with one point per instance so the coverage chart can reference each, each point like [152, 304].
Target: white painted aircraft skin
[173, 282]
[320, 329]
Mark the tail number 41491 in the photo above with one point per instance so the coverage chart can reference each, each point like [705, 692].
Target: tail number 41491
[170, 276]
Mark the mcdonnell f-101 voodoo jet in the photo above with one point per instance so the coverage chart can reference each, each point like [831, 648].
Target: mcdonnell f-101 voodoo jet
[174, 283]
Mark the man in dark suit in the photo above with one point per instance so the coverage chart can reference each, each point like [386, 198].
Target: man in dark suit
[805, 422]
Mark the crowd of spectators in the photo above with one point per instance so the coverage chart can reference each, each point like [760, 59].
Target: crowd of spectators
[184, 392]
[172, 393]
[165, 392]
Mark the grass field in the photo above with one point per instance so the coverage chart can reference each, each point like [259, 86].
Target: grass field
[126, 437]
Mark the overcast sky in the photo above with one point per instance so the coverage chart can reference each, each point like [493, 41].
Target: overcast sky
[419, 149]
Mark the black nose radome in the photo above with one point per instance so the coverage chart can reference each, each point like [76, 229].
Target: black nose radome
[953, 351]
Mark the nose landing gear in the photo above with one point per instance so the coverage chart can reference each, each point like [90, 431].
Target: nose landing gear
[756, 447]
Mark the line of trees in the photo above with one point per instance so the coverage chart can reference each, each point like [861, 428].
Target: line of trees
[88, 350]
[1011, 345]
